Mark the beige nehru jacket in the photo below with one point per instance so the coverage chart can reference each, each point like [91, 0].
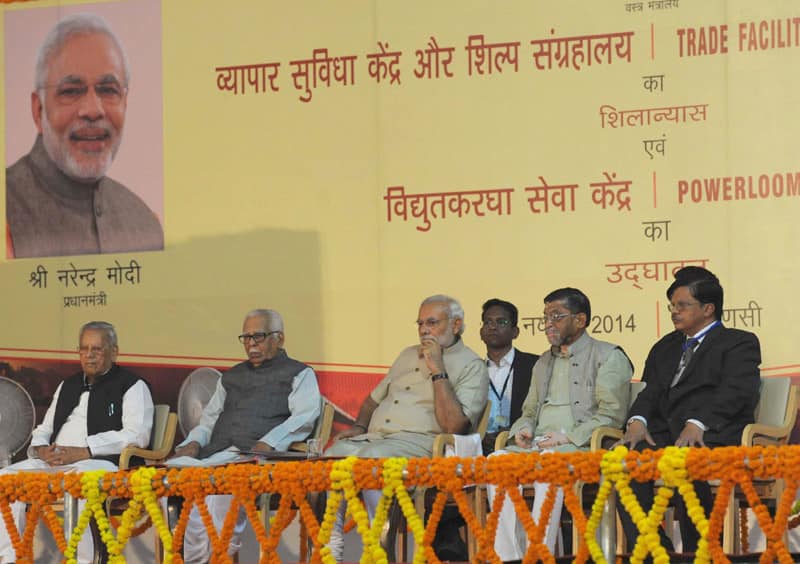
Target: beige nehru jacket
[405, 395]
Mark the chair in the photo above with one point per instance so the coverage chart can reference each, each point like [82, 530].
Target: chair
[322, 429]
[602, 438]
[395, 536]
[775, 418]
[162, 439]
[440, 445]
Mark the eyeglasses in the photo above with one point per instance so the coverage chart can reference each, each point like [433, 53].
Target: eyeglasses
[88, 351]
[680, 306]
[556, 317]
[257, 338]
[501, 323]
[431, 322]
[69, 92]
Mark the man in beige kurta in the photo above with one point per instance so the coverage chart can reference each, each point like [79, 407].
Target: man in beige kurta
[579, 384]
[437, 386]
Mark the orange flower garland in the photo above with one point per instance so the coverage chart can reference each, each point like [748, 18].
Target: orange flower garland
[733, 466]
[8, 489]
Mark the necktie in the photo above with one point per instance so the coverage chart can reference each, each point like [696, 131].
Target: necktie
[689, 346]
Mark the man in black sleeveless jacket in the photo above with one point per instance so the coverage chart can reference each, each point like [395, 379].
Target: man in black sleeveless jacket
[94, 414]
[263, 404]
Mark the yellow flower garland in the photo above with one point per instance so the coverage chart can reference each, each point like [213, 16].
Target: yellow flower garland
[612, 469]
[373, 552]
[144, 497]
[672, 467]
[142, 484]
[648, 541]
[90, 491]
[393, 486]
[734, 466]
[343, 484]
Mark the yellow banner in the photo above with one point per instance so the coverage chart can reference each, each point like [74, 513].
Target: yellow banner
[339, 162]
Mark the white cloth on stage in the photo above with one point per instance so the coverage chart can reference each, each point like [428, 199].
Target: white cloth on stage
[465, 446]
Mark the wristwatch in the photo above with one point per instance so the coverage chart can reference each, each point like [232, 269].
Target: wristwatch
[442, 376]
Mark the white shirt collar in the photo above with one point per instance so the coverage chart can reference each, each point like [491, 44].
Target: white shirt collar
[507, 360]
[703, 331]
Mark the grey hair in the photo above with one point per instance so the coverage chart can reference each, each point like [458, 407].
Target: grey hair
[456, 311]
[272, 317]
[65, 29]
[103, 326]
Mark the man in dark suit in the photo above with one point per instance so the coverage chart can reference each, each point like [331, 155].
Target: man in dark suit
[702, 389]
[509, 368]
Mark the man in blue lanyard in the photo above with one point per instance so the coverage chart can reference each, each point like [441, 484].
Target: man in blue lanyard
[702, 389]
[509, 368]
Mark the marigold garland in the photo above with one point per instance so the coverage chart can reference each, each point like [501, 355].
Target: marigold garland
[675, 474]
[95, 497]
[144, 494]
[612, 468]
[735, 467]
[343, 485]
[393, 486]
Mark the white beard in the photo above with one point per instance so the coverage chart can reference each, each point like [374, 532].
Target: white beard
[56, 148]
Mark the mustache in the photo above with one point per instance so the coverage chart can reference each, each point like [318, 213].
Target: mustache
[103, 126]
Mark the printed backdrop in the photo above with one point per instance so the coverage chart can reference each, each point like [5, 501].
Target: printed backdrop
[341, 161]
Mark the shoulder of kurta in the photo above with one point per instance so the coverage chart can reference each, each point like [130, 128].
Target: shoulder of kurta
[121, 198]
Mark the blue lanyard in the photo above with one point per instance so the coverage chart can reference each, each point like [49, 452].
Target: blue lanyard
[690, 342]
[505, 385]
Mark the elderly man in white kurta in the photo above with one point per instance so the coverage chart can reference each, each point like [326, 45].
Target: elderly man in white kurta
[94, 414]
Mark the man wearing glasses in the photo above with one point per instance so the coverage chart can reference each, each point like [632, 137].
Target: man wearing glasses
[509, 368]
[436, 386]
[94, 414]
[579, 384]
[59, 200]
[702, 389]
[262, 404]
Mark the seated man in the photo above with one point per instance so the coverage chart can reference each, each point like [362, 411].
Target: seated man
[438, 386]
[702, 389]
[579, 384]
[263, 404]
[94, 414]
